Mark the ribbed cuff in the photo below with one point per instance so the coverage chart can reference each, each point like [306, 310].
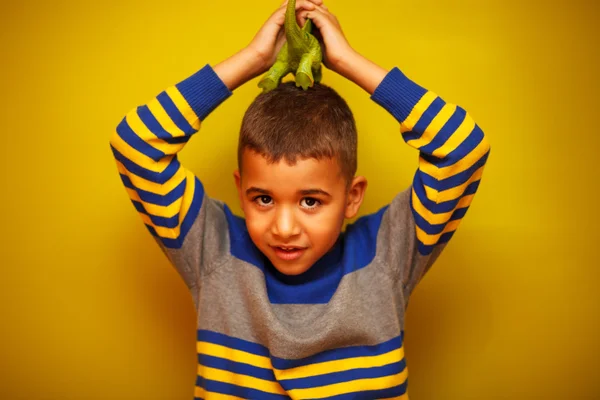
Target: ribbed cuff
[398, 94]
[204, 91]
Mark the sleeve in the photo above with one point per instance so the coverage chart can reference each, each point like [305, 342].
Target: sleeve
[452, 154]
[169, 198]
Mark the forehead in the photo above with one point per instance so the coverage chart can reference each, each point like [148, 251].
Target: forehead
[304, 174]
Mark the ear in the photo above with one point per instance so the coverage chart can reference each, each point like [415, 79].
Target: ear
[238, 184]
[356, 193]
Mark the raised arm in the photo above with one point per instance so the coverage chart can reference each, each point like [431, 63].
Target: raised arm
[145, 144]
[169, 198]
[452, 153]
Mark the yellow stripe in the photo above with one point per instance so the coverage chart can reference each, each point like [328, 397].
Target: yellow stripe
[403, 397]
[200, 392]
[340, 365]
[216, 350]
[168, 233]
[428, 215]
[163, 118]
[240, 380]
[140, 129]
[160, 211]
[433, 239]
[149, 186]
[441, 218]
[446, 195]
[454, 192]
[456, 138]
[181, 205]
[139, 158]
[434, 126]
[188, 196]
[461, 165]
[349, 387]
[409, 123]
[184, 107]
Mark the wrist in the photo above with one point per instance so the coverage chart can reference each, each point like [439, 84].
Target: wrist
[239, 68]
[361, 71]
[344, 64]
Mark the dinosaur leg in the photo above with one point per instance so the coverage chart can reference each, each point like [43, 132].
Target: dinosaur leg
[304, 76]
[273, 77]
[278, 70]
[318, 74]
[307, 26]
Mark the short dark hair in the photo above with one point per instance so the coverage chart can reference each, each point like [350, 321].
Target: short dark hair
[289, 122]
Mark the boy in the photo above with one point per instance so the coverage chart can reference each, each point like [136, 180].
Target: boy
[288, 305]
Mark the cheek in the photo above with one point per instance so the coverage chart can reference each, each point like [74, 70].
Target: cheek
[256, 223]
[327, 225]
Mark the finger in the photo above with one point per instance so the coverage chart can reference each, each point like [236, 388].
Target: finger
[279, 14]
[319, 17]
[317, 2]
[305, 4]
[323, 8]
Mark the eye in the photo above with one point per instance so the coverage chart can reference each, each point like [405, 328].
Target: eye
[263, 201]
[310, 203]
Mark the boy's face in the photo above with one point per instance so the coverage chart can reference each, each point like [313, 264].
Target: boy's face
[294, 214]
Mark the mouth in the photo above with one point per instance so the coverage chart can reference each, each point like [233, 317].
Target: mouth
[288, 253]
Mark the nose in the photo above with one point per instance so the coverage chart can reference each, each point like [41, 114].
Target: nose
[285, 224]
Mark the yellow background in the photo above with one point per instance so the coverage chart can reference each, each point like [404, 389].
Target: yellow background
[90, 307]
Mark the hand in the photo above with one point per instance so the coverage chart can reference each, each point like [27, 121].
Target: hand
[271, 36]
[334, 44]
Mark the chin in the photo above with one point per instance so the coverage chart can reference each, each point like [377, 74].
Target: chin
[290, 269]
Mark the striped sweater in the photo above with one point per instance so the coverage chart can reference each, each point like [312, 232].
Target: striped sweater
[335, 331]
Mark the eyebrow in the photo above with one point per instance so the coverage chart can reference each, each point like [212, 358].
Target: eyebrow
[304, 192]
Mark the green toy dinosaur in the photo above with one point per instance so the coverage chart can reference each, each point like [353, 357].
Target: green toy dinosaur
[300, 55]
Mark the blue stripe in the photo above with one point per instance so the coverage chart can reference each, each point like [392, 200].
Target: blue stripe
[319, 283]
[454, 180]
[430, 113]
[398, 94]
[339, 354]
[187, 221]
[157, 129]
[447, 130]
[355, 249]
[424, 249]
[170, 222]
[204, 91]
[152, 230]
[344, 376]
[236, 367]
[434, 229]
[232, 342]
[234, 390]
[427, 249]
[174, 113]
[373, 394]
[361, 241]
[152, 123]
[156, 177]
[445, 206]
[132, 139]
[177, 139]
[158, 199]
[466, 147]
[189, 218]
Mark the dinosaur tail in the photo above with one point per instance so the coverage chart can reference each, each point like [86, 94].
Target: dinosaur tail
[293, 32]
